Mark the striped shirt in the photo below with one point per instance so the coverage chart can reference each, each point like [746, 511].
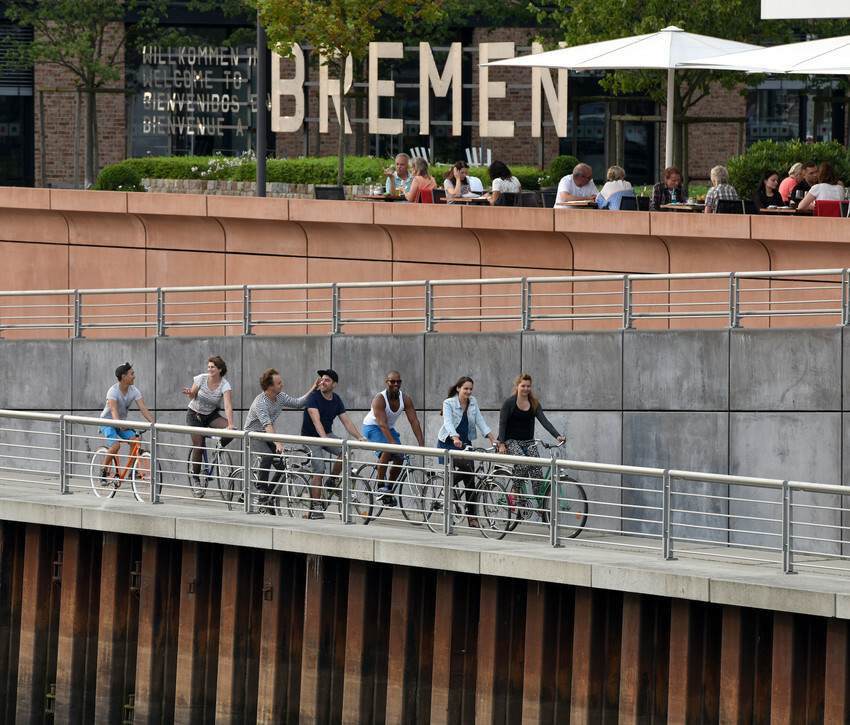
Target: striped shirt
[264, 412]
[208, 401]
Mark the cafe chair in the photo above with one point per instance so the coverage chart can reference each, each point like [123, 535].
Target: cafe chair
[749, 206]
[507, 198]
[529, 198]
[439, 196]
[729, 206]
[629, 203]
[425, 196]
[845, 208]
[643, 203]
[549, 198]
[825, 207]
[332, 193]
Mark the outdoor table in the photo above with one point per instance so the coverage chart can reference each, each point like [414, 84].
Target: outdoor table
[589, 204]
[378, 197]
[467, 200]
[683, 207]
[785, 210]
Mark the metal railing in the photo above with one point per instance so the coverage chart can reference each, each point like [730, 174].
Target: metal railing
[671, 513]
[524, 303]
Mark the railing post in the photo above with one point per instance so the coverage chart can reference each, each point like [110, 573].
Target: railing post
[78, 314]
[787, 554]
[447, 494]
[627, 302]
[345, 484]
[429, 306]
[160, 312]
[246, 473]
[335, 315]
[845, 298]
[554, 530]
[734, 302]
[246, 310]
[526, 305]
[666, 517]
[63, 455]
[154, 493]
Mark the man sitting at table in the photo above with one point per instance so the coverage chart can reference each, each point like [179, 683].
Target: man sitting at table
[722, 189]
[399, 177]
[662, 192]
[810, 178]
[577, 186]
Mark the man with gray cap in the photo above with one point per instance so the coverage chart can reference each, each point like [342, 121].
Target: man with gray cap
[321, 408]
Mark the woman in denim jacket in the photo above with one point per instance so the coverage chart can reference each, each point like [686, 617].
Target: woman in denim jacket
[461, 418]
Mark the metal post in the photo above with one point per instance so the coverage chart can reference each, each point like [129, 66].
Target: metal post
[845, 312]
[246, 310]
[63, 455]
[160, 312]
[335, 324]
[787, 556]
[429, 306]
[734, 302]
[154, 493]
[262, 111]
[554, 532]
[526, 304]
[627, 303]
[345, 485]
[78, 314]
[666, 516]
[246, 473]
[447, 494]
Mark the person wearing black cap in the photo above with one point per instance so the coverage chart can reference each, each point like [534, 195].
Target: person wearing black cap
[119, 398]
[321, 408]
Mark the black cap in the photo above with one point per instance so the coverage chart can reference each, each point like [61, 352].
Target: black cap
[330, 373]
[122, 370]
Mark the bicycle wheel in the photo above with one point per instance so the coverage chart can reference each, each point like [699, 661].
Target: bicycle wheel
[362, 497]
[298, 497]
[515, 503]
[411, 497]
[140, 477]
[222, 465]
[572, 507]
[332, 494]
[494, 510]
[433, 499]
[102, 488]
[199, 482]
[231, 488]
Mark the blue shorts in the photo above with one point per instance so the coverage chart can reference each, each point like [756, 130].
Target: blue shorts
[114, 435]
[374, 434]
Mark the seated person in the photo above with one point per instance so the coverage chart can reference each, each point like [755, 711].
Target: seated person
[795, 175]
[809, 170]
[422, 179]
[614, 190]
[399, 176]
[828, 188]
[662, 192]
[767, 192]
[721, 189]
[457, 181]
[503, 181]
[577, 186]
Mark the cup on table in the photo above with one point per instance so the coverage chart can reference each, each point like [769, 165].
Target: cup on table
[692, 200]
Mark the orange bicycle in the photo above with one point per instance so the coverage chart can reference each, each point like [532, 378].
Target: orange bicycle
[137, 468]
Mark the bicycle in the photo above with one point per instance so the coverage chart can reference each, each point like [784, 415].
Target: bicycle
[137, 468]
[213, 468]
[511, 500]
[433, 496]
[407, 493]
[289, 471]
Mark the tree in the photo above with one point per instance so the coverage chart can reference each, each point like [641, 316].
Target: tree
[337, 29]
[81, 36]
[590, 21]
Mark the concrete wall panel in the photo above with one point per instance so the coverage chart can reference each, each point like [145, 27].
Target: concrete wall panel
[272, 237]
[455, 246]
[575, 370]
[617, 253]
[97, 229]
[675, 370]
[516, 249]
[37, 375]
[183, 232]
[93, 370]
[31, 225]
[785, 369]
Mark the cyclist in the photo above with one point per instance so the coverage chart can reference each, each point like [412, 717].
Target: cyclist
[209, 390]
[320, 410]
[461, 418]
[264, 411]
[119, 398]
[516, 428]
[379, 427]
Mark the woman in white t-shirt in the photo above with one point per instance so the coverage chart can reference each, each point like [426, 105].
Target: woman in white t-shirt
[828, 188]
[206, 396]
[503, 181]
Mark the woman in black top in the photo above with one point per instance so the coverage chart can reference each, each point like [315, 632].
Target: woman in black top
[767, 193]
[516, 428]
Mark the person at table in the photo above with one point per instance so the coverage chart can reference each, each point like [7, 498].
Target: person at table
[399, 176]
[662, 192]
[795, 175]
[809, 170]
[828, 188]
[721, 189]
[457, 183]
[422, 179]
[503, 182]
[767, 192]
[616, 187]
[577, 186]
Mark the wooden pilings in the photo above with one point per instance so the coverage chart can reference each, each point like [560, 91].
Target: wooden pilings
[105, 627]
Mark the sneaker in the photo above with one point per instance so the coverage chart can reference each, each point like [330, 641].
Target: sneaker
[316, 511]
[107, 478]
[385, 493]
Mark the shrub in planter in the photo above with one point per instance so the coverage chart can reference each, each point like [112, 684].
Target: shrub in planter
[560, 167]
[119, 177]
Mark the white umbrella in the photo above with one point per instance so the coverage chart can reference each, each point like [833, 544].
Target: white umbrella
[666, 50]
[829, 56]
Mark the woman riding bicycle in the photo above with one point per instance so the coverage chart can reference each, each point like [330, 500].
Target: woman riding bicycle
[209, 390]
[516, 428]
[461, 417]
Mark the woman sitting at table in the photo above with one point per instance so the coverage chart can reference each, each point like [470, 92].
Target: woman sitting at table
[828, 188]
[503, 182]
[722, 189]
[458, 182]
[422, 179]
[767, 193]
[662, 192]
[795, 174]
[614, 190]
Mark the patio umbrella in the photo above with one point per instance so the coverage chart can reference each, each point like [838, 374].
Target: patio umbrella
[828, 56]
[666, 50]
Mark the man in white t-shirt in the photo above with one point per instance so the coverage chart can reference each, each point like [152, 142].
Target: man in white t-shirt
[577, 186]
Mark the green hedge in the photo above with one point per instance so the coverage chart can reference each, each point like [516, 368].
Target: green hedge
[119, 177]
[745, 171]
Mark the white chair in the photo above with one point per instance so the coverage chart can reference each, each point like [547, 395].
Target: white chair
[473, 159]
[420, 152]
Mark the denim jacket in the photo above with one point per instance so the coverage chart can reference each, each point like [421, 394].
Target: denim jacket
[452, 413]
